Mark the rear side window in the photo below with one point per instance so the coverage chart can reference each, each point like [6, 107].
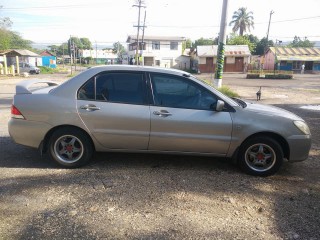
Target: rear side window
[124, 87]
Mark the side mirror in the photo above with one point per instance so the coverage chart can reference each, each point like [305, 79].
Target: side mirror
[220, 106]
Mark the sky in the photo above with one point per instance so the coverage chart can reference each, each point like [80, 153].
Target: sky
[107, 21]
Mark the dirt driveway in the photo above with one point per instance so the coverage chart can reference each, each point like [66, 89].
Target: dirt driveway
[138, 196]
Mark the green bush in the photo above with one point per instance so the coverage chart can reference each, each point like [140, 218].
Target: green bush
[269, 76]
[47, 70]
[227, 91]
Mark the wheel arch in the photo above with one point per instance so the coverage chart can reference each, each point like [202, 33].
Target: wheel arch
[281, 140]
[47, 137]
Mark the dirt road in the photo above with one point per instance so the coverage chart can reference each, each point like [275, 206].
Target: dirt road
[139, 196]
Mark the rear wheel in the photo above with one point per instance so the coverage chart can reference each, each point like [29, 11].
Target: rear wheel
[70, 147]
[260, 156]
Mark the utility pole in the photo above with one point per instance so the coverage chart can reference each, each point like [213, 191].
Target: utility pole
[272, 12]
[144, 25]
[96, 53]
[70, 47]
[222, 43]
[138, 29]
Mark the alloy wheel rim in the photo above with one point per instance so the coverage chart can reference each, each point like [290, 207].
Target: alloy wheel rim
[68, 149]
[260, 157]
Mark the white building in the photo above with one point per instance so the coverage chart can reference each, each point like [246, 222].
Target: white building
[159, 51]
[101, 56]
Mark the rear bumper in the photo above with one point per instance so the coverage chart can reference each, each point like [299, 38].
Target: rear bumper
[299, 147]
[28, 133]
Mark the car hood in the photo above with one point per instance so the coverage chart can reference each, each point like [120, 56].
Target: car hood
[270, 111]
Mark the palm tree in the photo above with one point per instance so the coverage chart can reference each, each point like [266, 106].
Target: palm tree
[242, 21]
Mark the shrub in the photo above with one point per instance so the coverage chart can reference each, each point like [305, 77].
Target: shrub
[47, 70]
[227, 91]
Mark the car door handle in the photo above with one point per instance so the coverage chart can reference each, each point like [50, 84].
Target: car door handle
[162, 113]
[89, 107]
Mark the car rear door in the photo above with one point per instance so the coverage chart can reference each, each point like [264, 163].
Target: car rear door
[183, 118]
[113, 106]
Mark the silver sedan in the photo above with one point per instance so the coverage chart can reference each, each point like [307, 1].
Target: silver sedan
[155, 110]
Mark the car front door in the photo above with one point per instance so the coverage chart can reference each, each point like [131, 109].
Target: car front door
[114, 108]
[183, 118]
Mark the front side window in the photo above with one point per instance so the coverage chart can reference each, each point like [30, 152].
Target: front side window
[178, 92]
[128, 88]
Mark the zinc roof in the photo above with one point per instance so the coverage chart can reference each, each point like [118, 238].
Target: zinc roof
[230, 50]
[296, 54]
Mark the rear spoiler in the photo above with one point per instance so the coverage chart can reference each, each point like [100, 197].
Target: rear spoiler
[24, 86]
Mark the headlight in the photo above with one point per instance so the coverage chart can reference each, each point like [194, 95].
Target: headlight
[303, 127]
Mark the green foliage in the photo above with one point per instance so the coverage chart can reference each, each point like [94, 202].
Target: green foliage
[186, 44]
[297, 42]
[203, 42]
[47, 70]
[118, 48]
[241, 40]
[269, 76]
[5, 22]
[12, 40]
[242, 21]
[75, 43]
[262, 46]
[227, 91]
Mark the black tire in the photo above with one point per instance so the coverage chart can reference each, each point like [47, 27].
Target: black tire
[70, 147]
[260, 156]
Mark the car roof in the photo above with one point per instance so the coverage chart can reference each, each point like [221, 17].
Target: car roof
[137, 68]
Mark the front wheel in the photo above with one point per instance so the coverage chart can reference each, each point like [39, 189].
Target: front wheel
[70, 147]
[260, 156]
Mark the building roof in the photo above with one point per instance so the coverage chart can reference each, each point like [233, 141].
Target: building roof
[21, 52]
[133, 38]
[47, 53]
[230, 50]
[296, 54]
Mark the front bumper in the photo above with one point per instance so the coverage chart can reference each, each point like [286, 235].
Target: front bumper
[299, 147]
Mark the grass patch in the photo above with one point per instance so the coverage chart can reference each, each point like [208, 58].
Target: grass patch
[227, 91]
[47, 70]
[224, 89]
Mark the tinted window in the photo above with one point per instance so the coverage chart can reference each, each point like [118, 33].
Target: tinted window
[177, 92]
[121, 87]
[87, 91]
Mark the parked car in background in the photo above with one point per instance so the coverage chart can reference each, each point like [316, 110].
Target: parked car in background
[28, 68]
[156, 110]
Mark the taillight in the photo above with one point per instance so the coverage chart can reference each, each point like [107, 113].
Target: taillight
[15, 113]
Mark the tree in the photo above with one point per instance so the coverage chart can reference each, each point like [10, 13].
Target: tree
[262, 46]
[241, 40]
[297, 42]
[118, 48]
[186, 44]
[13, 40]
[5, 22]
[242, 21]
[86, 44]
[202, 42]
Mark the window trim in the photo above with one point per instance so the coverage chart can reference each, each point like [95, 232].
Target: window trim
[146, 98]
[227, 107]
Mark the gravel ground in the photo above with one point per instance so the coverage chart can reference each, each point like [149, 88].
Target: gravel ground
[144, 196]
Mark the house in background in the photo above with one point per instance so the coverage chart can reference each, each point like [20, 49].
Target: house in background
[237, 58]
[159, 51]
[24, 56]
[291, 59]
[48, 59]
[99, 56]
